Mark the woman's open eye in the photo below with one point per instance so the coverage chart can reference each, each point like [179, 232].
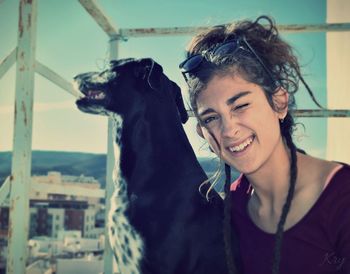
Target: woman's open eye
[208, 120]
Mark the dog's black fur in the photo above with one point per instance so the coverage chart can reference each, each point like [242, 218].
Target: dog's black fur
[181, 231]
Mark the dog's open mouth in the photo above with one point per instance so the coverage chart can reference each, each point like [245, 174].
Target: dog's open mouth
[89, 94]
[95, 95]
[92, 101]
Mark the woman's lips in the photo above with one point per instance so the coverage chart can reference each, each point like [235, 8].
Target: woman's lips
[237, 148]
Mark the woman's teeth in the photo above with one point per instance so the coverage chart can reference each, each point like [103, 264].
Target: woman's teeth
[241, 146]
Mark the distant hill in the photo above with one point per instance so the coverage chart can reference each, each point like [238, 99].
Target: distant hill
[76, 163]
[68, 163]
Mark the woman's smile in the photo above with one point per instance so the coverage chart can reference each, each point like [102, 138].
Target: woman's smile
[240, 148]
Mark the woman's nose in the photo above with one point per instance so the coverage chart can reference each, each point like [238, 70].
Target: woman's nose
[229, 127]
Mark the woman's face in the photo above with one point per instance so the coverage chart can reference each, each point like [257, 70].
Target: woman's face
[237, 114]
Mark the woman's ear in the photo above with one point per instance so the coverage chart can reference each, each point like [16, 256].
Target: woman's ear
[199, 130]
[280, 101]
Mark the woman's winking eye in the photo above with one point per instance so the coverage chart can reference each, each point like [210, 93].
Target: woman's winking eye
[240, 107]
[206, 120]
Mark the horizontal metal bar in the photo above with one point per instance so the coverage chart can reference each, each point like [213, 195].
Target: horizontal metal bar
[312, 113]
[99, 16]
[58, 80]
[142, 32]
[55, 78]
[322, 113]
[5, 190]
[7, 62]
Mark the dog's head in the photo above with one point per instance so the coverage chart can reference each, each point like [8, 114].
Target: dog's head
[124, 85]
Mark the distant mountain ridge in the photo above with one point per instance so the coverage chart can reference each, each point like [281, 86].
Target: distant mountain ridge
[76, 163]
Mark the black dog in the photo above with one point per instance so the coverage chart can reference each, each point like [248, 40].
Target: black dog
[159, 223]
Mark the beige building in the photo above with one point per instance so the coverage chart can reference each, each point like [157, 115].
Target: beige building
[338, 81]
[63, 202]
[55, 186]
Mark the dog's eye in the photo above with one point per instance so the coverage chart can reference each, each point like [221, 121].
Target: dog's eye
[103, 77]
[109, 75]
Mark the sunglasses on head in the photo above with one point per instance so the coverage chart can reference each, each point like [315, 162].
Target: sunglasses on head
[194, 62]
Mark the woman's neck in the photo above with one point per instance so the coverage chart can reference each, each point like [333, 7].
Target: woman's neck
[271, 181]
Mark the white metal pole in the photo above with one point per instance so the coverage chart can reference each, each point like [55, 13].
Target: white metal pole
[22, 139]
[109, 262]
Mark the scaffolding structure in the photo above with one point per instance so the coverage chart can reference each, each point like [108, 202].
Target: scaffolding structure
[17, 184]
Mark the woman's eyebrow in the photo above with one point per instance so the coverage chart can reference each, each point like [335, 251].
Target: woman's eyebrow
[230, 101]
[237, 96]
[206, 111]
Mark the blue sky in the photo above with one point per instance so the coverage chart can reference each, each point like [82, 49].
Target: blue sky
[70, 42]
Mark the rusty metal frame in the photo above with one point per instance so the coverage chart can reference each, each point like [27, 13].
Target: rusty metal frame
[7, 62]
[55, 78]
[22, 138]
[313, 113]
[17, 184]
[143, 32]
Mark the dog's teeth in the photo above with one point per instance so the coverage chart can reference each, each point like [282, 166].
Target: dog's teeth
[101, 96]
[96, 95]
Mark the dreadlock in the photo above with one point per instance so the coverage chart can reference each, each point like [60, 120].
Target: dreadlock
[227, 223]
[286, 126]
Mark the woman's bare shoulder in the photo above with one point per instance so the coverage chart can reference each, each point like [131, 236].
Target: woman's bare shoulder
[316, 170]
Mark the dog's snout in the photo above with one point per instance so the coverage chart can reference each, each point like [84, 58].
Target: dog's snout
[84, 76]
[82, 81]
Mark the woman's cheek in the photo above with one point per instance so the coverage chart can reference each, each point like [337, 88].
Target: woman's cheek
[211, 140]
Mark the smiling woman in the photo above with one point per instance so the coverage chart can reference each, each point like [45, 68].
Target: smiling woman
[242, 79]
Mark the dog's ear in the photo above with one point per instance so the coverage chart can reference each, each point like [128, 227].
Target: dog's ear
[114, 64]
[153, 72]
[180, 103]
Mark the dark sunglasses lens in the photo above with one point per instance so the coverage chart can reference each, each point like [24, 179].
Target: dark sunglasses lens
[191, 63]
[226, 48]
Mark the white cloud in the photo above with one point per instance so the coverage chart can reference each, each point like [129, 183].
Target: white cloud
[6, 109]
[41, 107]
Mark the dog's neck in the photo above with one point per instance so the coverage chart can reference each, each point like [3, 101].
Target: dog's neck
[163, 149]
